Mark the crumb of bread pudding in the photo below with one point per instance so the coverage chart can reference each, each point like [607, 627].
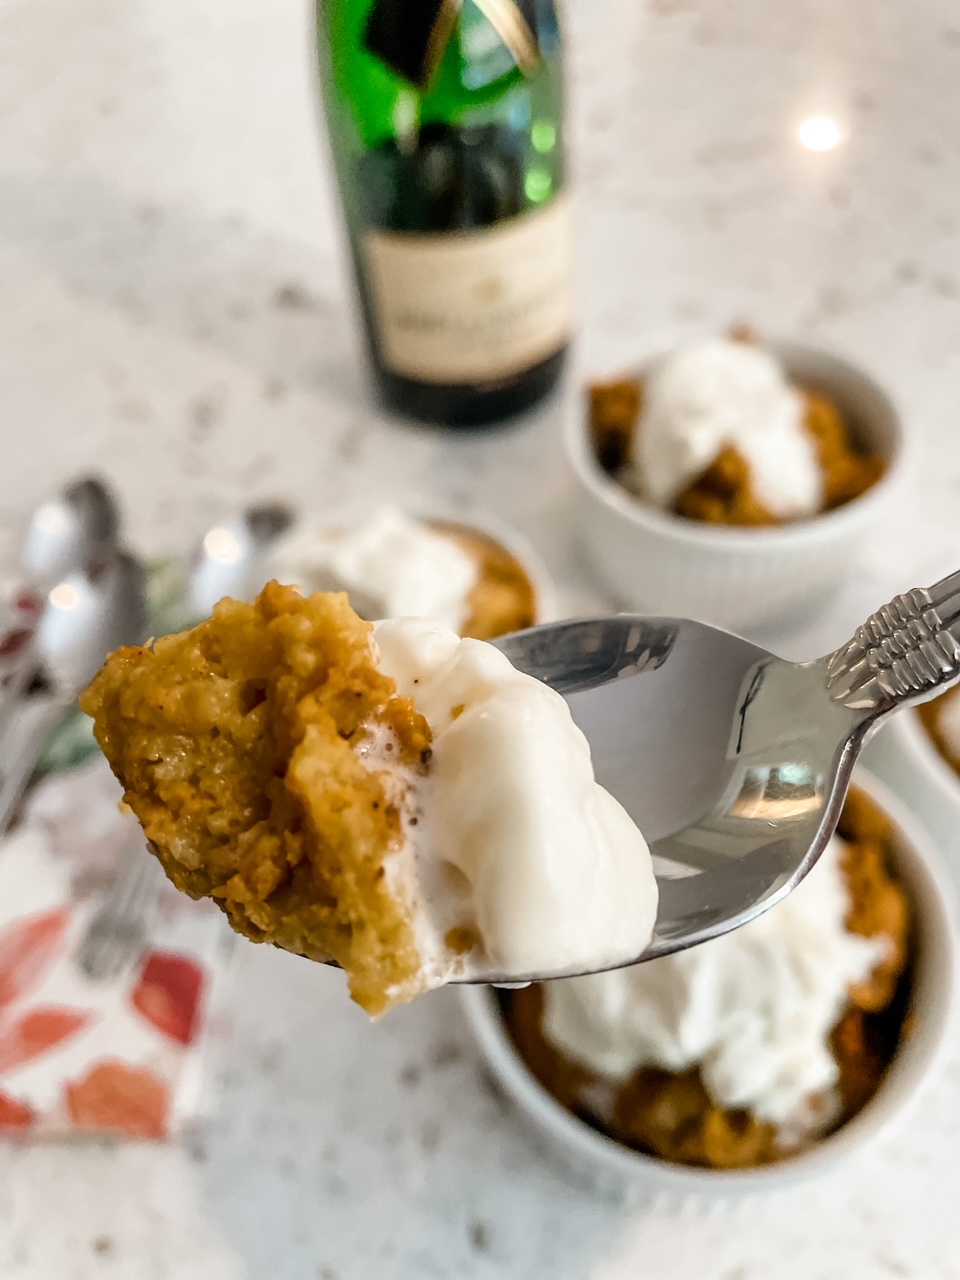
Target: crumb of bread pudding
[670, 1114]
[236, 744]
[723, 494]
[614, 413]
[503, 598]
[847, 473]
[878, 904]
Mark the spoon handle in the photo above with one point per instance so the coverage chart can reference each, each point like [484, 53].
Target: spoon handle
[905, 652]
[25, 733]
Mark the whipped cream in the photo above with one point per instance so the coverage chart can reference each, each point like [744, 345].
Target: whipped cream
[514, 838]
[718, 393]
[753, 1009]
[391, 565]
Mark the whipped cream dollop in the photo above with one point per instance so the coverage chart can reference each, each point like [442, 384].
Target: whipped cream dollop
[718, 393]
[514, 837]
[753, 1009]
[391, 566]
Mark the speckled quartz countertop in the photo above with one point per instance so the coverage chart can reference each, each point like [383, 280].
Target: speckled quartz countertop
[174, 309]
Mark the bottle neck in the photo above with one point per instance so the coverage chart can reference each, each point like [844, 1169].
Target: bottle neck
[476, 73]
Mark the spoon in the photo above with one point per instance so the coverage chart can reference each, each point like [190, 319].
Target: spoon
[733, 763]
[231, 560]
[67, 531]
[64, 534]
[85, 617]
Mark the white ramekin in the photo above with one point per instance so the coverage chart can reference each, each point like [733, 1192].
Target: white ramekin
[658, 562]
[609, 1168]
[905, 758]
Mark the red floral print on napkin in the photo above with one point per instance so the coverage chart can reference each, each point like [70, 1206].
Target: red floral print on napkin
[13, 1114]
[27, 950]
[36, 1032]
[12, 642]
[116, 1098]
[168, 994]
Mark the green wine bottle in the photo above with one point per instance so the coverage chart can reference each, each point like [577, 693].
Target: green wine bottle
[447, 131]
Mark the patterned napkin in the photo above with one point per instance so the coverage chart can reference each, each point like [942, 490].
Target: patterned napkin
[123, 1057]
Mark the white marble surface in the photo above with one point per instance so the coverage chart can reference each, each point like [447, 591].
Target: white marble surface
[174, 310]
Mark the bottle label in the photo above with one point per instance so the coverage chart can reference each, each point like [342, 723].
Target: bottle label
[473, 306]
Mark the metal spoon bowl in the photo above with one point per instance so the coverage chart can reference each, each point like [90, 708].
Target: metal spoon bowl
[85, 617]
[232, 558]
[68, 531]
[734, 763]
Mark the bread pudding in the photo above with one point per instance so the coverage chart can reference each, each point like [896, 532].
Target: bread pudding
[236, 744]
[666, 1104]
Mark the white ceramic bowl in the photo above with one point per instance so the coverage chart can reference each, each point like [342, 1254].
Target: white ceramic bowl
[903, 755]
[610, 1168]
[655, 561]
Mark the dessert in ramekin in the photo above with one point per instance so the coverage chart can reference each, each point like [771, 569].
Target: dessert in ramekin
[716, 431]
[477, 580]
[940, 717]
[916, 756]
[732, 533]
[663, 1127]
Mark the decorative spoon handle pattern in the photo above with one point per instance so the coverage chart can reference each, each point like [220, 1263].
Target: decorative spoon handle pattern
[905, 652]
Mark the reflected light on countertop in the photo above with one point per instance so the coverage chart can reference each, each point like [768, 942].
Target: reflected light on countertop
[220, 544]
[819, 133]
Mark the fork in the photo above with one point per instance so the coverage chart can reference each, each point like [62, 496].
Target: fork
[118, 931]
